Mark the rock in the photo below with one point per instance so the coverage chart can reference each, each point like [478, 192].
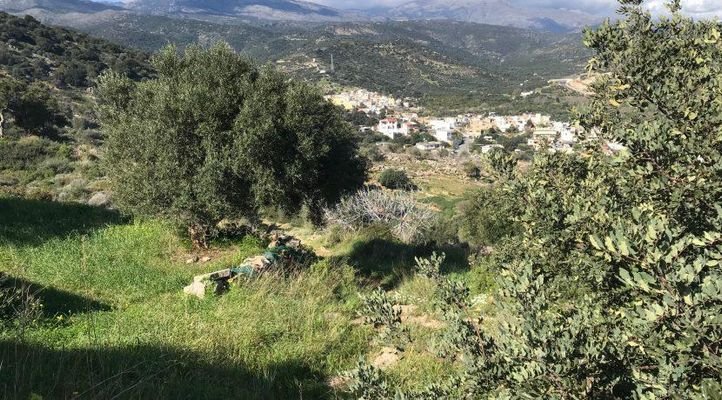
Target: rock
[258, 263]
[196, 288]
[100, 199]
[339, 382]
[205, 259]
[408, 315]
[426, 321]
[388, 357]
[224, 274]
[192, 260]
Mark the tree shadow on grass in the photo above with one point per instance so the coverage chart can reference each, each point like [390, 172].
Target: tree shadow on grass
[30, 222]
[146, 372]
[55, 301]
[386, 261]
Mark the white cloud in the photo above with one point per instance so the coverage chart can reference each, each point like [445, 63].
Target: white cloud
[355, 4]
[696, 8]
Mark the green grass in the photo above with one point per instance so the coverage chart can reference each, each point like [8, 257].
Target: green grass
[117, 324]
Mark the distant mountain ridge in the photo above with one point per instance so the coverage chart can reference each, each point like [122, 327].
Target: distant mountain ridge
[63, 6]
[260, 9]
[494, 12]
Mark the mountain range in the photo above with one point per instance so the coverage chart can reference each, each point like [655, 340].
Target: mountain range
[446, 59]
[495, 12]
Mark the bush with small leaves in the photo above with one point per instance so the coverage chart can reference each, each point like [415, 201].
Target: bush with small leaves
[487, 217]
[395, 179]
[612, 287]
[214, 137]
[472, 170]
[379, 310]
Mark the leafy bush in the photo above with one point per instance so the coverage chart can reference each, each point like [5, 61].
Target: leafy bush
[395, 179]
[379, 310]
[472, 170]
[248, 139]
[372, 153]
[400, 212]
[612, 287]
[26, 153]
[486, 217]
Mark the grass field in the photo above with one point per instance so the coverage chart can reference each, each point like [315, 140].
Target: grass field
[115, 324]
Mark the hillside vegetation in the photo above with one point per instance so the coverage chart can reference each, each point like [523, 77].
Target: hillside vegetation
[50, 144]
[590, 274]
[479, 65]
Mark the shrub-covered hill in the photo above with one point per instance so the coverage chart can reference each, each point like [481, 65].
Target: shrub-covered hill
[30, 50]
[404, 58]
[49, 138]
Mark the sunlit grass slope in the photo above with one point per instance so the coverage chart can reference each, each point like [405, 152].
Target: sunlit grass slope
[116, 325]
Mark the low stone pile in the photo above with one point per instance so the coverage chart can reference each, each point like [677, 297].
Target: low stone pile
[284, 252]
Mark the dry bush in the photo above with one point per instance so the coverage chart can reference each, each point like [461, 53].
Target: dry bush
[407, 220]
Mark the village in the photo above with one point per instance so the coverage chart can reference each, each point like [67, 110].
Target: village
[401, 118]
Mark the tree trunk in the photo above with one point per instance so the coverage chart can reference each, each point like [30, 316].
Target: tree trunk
[199, 236]
[2, 122]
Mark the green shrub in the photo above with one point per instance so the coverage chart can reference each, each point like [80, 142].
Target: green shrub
[372, 153]
[25, 153]
[415, 153]
[612, 286]
[395, 179]
[486, 217]
[38, 193]
[55, 165]
[253, 139]
[472, 170]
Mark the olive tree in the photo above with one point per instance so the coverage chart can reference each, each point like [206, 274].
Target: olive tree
[212, 136]
[31, 106]
[612, 286]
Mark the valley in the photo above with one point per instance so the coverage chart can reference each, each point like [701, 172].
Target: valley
[430, 199]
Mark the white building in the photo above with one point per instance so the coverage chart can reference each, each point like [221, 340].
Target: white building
[428, 146]
[489, 147]
[542, 137]
[392, 127]
[442, 129]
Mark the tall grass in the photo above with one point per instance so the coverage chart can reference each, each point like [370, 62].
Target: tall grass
[135, 335]
[115, 324]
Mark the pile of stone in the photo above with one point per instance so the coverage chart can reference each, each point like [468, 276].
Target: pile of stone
[280, 250]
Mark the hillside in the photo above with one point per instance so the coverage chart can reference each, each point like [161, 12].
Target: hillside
[421, 58]
[496, 12]
[30, 50]
[55, 6]
[466, 63]
[244, 9]
[49, 149]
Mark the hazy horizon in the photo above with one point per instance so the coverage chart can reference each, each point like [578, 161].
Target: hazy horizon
[697, 8]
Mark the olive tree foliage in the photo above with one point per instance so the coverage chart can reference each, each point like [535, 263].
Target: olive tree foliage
[31, 107]
[612, 288]
[7, 87]
[212, 137]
